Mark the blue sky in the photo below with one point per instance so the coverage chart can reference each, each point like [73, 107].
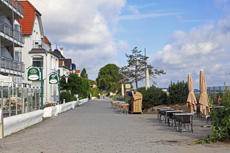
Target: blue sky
[180, 36]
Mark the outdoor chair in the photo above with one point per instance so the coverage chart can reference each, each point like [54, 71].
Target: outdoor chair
[125, 108]
[184, 120]
[112, 104]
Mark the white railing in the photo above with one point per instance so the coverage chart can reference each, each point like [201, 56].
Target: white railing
[16, 4]
[11, 32]
[41, 44]
[10, 64]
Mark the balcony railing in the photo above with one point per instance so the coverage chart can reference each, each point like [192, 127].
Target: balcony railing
[11, 32]
[12, 65]
[16, 4]
[40, 44]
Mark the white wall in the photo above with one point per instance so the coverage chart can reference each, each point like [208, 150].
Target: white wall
[27, 58]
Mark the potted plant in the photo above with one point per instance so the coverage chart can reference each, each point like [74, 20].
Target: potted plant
[219, 96]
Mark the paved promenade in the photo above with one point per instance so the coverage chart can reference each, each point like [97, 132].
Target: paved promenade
[95, 128]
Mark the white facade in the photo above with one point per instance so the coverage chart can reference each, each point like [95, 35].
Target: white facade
[34, 51]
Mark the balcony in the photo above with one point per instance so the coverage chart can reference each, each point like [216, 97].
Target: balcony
[14, 5]
[11, 66]
[39, 44]
[11, 34]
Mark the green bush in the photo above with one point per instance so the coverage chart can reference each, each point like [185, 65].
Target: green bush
[73, 98]
[141, 90]
[197, 97]
[221, 119]
[153, 97]
[178, 92]
[65, 95]
[219, 95]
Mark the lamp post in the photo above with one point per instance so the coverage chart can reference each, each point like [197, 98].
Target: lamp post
[59, 86]
[41, 84]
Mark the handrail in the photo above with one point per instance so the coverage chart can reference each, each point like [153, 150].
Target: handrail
[17, 5]
[41, 44]
[12, 64]
[11, 32]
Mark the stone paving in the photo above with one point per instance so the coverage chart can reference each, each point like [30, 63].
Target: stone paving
[96, 128]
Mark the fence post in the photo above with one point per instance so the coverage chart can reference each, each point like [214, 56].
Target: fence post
[1, 128]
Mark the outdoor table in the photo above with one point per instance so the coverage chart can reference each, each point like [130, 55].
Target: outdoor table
[162, 112]
[158, 115]
[184, 118]
[169, 115]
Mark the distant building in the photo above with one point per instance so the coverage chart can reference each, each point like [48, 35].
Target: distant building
[78, 72]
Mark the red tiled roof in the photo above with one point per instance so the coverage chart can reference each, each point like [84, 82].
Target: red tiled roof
[77, 71]
[47, 40]
[27, 22]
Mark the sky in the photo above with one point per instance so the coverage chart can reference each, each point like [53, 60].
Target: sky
[180, 36]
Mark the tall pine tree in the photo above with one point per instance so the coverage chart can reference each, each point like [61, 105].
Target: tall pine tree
[84, 74]
[135, 70]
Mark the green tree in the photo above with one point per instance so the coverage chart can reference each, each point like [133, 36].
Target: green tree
[178, 92]
[76, 85]
[154, 96]
[135, 70]
[84, 73]
[109, 78]
[141, 90]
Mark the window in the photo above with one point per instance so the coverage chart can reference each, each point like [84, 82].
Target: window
[37, 62]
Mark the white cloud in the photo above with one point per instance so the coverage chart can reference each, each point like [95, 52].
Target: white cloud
[206, 47]
[84, 28]
[123, 46]
[144, 16]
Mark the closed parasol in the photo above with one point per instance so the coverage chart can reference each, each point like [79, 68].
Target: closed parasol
[191, 100]
[204, 102]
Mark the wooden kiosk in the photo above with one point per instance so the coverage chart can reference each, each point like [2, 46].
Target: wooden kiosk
[135, 102]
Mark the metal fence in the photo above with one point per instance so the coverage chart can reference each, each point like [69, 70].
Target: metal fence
[11, 32]
[216, 93]
[11, 64]
[16, 4]
[17, 100]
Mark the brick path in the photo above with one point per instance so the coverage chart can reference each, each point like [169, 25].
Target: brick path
[95, 128]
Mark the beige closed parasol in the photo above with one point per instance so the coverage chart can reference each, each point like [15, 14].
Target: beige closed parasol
[191, 100]
[204, 102]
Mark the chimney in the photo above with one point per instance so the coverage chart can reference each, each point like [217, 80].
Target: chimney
[61, 51]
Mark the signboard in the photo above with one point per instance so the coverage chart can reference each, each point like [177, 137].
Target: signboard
[33, 74]
[127, 86]
[53, 79]
[6, 79]
[66, 75]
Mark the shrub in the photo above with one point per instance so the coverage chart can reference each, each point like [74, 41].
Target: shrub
[178, 93]
[197, 97]
[141, 90]
[219, 95]
[65, 95]
[221, 119]
[153, 97]
[73, 98]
